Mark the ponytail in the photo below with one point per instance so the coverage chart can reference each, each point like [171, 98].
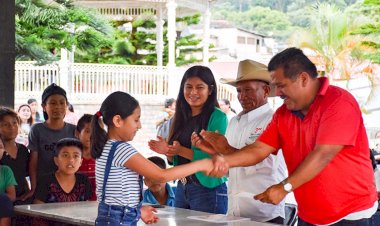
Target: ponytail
[98, 136]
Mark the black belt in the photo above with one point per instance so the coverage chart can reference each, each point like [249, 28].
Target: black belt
[192, 179]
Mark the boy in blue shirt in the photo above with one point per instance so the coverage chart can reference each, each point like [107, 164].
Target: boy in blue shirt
[158, 193]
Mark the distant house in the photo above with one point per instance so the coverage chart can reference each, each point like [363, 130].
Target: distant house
[236, 43]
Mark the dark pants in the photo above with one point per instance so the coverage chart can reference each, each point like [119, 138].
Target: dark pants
[197, 197]
[361, 222]
[6, 206]
[277, 220]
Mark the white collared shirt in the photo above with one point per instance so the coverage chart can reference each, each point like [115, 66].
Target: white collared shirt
[245, 182]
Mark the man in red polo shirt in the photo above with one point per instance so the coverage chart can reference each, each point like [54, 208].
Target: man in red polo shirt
[320, 130]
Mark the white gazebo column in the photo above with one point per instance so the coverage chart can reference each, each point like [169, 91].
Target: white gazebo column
[171, 35]
[206, 34]
[159, 36]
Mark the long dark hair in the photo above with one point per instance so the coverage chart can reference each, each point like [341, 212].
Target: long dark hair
[183, 110]
[117, 103]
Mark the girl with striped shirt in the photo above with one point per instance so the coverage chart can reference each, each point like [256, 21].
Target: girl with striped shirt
[119, 166]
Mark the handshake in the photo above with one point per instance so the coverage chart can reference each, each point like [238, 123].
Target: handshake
[216, 145]
[212, 143]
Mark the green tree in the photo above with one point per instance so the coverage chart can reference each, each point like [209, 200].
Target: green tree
[42, 29]
[329, 36]
[138, 45]
[371, 30]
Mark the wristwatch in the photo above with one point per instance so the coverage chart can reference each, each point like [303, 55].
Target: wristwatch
[287, 186]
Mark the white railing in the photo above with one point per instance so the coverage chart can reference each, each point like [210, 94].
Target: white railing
[92, 82]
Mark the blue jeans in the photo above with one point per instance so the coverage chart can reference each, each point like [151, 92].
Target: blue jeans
[117, 215]
[376, 219]
[194, 196]
[361, 222]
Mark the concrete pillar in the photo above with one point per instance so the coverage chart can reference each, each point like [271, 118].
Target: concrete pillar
[160, 36]
[64, 71]
[7, 53]
[171, 35]
[206, 34]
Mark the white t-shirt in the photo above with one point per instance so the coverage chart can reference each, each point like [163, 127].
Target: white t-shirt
[123, 186]
[245, 182]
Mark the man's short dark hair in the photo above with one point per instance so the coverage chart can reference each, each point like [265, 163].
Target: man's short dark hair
[31, 100]
[158, 161]
[86, 118]
[293, 61]
[169, 102]
[67, 142]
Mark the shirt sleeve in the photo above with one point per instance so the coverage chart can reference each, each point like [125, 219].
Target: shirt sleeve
[33, 138]
[8, 177]
[271, 135]
[339, 123]
[123, 152]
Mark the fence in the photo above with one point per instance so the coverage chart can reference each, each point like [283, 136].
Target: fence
[92, 82]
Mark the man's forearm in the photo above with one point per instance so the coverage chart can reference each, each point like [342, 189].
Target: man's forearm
[249, 155]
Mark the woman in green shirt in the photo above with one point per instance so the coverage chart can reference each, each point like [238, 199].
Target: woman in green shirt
[197, 108]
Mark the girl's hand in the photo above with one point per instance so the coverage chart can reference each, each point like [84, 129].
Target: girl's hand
[174, 149]
[160, 145]
[147, 215]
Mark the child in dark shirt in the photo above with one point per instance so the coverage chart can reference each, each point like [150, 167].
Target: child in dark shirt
[15, 155]
[7, 192]
[64, 185]
[87, 168]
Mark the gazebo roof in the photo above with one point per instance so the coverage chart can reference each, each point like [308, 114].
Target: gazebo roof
[119, 9]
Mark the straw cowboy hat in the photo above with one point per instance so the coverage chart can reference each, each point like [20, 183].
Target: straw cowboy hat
[250, 70]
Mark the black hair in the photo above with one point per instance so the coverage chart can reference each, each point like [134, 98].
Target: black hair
[86, 118]
[30, 119]
[293, 61]
[70, 107]
[227, 102]
[67, 142]
[169, 102]
[6, 111]
[158, 161]
[183, 110]
[117, 103]
[31, 100]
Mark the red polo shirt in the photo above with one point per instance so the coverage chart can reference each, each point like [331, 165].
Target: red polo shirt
[346, 184]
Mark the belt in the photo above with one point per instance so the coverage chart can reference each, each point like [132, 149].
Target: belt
[192, 179]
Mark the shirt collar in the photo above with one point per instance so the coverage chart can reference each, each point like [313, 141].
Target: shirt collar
[324, 85]
[255, 112]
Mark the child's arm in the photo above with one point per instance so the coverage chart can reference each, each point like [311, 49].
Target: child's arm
[11, 192]
[32, 173]
[150, 170]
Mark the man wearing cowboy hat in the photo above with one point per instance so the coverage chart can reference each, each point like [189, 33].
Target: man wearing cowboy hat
[252, 85]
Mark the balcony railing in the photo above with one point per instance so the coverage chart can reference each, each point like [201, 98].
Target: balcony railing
[92, 82]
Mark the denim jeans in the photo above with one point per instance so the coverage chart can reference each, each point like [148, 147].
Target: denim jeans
[361, 222]
[194, 196]
[117, 215]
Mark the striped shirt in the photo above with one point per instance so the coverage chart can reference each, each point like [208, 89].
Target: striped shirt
[122, 187]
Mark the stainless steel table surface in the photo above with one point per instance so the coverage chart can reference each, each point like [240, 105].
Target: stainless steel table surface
[84, 213]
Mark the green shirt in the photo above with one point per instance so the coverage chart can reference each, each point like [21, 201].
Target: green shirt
[218, 122]
[6, 178]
